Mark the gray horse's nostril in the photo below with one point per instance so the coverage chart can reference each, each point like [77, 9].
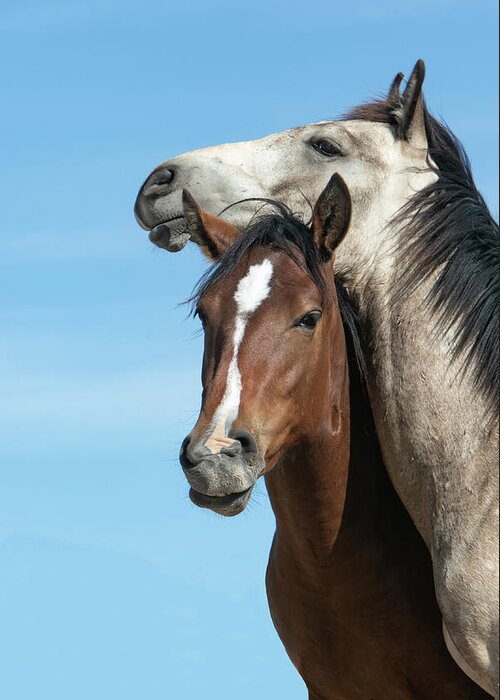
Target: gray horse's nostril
[159, 182]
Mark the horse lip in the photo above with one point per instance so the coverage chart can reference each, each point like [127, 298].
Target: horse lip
[166, 222]
[170, 234]
[230, 505]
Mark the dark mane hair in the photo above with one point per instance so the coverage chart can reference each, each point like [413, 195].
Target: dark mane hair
[285, 232]
[451, 237]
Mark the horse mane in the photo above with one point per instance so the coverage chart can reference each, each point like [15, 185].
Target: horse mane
[451, 237]
[287, 233]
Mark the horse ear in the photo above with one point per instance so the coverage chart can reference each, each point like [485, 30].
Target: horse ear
[394, 96]
[332, 216]
[410, 113]
[213, 235]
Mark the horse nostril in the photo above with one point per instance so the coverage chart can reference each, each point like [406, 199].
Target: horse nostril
[246, 440]
[193, 452]
[159, 182]
[165, 177]
[186, 463]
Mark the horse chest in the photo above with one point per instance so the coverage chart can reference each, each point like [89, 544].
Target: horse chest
[328, 644]
[363, 641]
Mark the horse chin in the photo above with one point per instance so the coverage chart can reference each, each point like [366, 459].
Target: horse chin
[170, 235]
[229, 506]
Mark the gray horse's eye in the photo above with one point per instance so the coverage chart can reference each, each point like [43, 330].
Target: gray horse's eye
[326, 148]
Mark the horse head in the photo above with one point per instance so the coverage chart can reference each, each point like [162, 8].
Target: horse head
[274, 365]
[380, 150]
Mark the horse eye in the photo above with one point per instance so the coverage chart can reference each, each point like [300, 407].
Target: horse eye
[309, 321]
[326, 148]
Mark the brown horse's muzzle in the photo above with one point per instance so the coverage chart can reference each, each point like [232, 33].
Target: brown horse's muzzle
[222, 482]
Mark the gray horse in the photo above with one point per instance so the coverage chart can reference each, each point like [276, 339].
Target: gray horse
[420, 265]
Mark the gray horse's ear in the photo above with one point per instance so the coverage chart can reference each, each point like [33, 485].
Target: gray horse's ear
[213, 235]
[394, 95]
[332, 216]
[410, 113]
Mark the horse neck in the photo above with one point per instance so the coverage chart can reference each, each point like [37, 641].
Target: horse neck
[307, 487]
[331, 496]
[371, 506]
[421, 402]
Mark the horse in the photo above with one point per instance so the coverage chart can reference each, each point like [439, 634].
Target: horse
[420, 268]
[349, 580]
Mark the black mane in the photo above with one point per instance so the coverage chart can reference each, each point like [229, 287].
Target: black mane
[287, 233]
[451, 236]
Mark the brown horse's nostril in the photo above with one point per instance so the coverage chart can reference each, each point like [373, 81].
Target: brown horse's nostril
[192, 453]
[184, 459]
[246, 442]
[159, 182]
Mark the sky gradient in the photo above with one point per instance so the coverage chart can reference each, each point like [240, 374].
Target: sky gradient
[112, 585]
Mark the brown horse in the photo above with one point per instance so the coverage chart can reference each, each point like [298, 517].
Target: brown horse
[349, 580]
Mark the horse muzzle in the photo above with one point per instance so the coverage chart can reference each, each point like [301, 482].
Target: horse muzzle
[221, 482]
[215, 185]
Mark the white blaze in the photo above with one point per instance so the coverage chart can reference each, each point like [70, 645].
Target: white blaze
[250, 293]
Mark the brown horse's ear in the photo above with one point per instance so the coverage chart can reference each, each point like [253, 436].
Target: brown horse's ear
[213, 235]
[332, 216]
[410, 114]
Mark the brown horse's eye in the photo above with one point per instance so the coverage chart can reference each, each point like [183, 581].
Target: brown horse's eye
[309, 321]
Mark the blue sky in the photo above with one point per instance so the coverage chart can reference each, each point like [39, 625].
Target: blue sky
[112, 585]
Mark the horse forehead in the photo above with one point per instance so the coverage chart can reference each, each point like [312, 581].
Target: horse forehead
[359, 132]
[261, 274]
[248, 279]
[254, 287]
[284, 152]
